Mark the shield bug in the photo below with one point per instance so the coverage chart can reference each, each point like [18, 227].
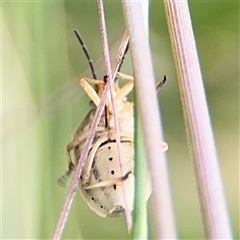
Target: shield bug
[101, 180]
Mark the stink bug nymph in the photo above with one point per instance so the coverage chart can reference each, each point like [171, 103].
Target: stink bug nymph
[101, 180]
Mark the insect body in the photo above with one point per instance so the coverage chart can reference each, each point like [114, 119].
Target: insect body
[101, 180]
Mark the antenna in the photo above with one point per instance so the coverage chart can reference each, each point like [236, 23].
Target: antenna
[123, 57]
[85, 50]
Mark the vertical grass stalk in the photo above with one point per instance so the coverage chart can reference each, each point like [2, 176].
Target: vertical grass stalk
[198, 126]
[116, 125]
[161, 207]
[142, 188]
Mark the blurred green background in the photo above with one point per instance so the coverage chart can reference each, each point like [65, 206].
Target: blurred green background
[42, 104]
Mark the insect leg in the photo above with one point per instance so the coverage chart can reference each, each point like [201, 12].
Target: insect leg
[109, 182]
[105, 183]
[72, 145]
[91, 92]
[160, 85]
[90, 159]
[126, 89]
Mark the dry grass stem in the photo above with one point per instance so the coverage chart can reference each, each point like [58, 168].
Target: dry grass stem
[161, 211]
[110, 77]
[211, 194]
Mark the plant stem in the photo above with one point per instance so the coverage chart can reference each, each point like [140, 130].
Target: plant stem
[116, 125]
[198, 126]
[162, 212]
